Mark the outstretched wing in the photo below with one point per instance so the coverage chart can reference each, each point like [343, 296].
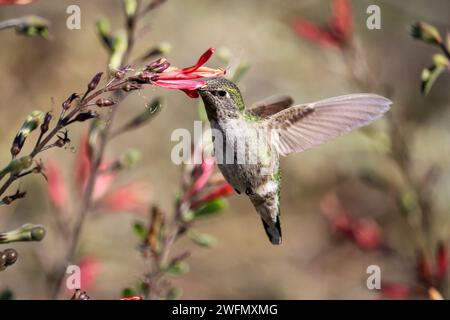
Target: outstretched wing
[270, 106]
[301, 127]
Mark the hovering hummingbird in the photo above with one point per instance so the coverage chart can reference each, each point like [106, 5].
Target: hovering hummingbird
[297, 127]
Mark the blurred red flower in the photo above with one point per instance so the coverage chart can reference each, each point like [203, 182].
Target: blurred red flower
[222, 190]
[128, 198]
[395, 291]
[442, 261]
[15, 1]
[57, 192]
[364, 232]
[83, 171]
[90, 269]
[335, 34]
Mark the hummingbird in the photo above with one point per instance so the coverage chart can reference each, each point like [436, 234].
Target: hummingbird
[297, 128]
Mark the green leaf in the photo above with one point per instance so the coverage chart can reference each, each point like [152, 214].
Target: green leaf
[429, 76]
[151, 110]
[130, 7]
[130, 158]
[6, 294]
[174, 293]
[210, 208]
[202, 111]
[104, 31]
[408, 201]
[119, 47]
[140, 230]
[202, 239]
[128, 292]
[373, 178]
[178, 268]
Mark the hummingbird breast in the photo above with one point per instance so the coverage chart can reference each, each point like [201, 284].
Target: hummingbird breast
[243, 154]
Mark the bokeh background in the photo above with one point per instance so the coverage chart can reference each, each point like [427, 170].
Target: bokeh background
[314, 262]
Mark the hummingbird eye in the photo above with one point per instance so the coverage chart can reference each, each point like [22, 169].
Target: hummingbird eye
[220, 93]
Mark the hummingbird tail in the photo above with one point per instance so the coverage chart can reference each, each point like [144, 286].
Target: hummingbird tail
[273, 231]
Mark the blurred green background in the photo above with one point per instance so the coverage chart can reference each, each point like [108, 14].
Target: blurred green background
[312, 263]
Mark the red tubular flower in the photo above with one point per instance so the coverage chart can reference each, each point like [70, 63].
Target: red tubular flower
[174, 78]
[57, 191]
[223, 190]
[207, 168]
[335, 34]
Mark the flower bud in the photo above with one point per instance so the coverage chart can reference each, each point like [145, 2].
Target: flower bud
[33, 26]
[83, 116]
[131, 86]
[95, 81]
[27, 232]
[45, 125]
[10, 256]
[31, 123]
[66, 104]
[130, 7]
[16, 165]
[426, 32]
[158, 66]
[104, 102]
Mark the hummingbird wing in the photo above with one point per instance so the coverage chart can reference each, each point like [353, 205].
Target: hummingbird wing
[302, 127]
[270, 106]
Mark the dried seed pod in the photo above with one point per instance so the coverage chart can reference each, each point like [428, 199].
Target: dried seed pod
[95, 81]
[104, 102]
[83, 116]
[66, 104]
[11, 256]
[45, 125]
[131, 86]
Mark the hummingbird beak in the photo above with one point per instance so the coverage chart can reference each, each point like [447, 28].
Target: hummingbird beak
[203, 88]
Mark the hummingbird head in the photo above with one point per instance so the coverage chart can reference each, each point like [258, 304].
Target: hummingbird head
[221, 97]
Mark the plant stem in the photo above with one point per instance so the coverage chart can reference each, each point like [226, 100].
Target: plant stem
[95, 165]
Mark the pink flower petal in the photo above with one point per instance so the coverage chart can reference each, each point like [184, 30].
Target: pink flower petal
[83, 171]
[207, 168]
[129, 198]
[90, 269]
[57, 190]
